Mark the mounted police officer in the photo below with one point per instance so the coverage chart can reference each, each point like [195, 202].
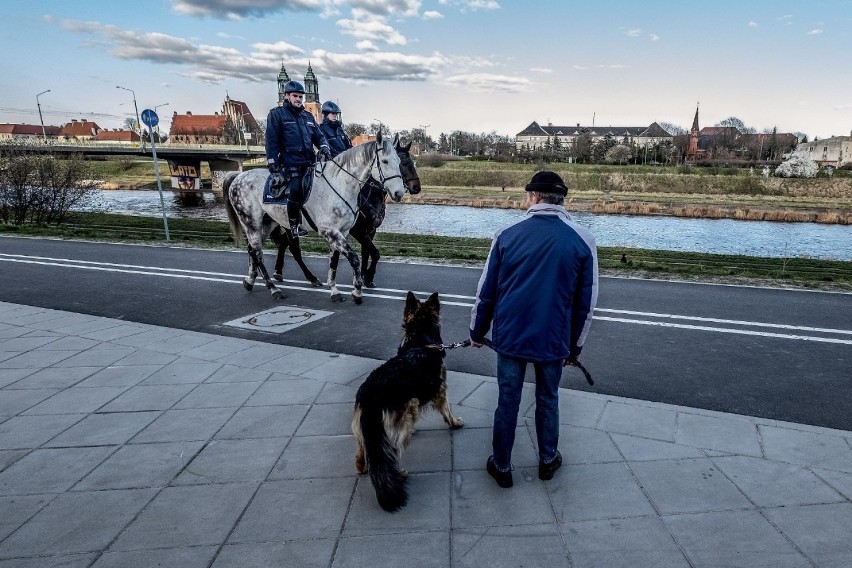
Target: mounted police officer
[291, 134]
[332, 128]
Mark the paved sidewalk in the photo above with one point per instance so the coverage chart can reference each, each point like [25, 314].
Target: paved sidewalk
[124, 444]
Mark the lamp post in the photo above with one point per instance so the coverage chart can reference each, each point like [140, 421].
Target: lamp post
[158, 124]
[423, 127]
[380, 124]
[136, 108]
[38, 104]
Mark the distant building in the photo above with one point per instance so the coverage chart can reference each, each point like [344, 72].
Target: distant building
[117, 137]
[228, 127]
[80, 130]
[22, 132]
[835, 151]
[536, 136]
[728, 141]
[312, 100]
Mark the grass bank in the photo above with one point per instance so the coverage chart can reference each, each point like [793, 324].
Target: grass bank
[790, 272]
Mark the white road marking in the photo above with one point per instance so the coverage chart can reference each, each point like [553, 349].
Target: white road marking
[462, 300]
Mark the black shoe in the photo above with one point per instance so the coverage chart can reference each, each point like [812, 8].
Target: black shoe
[297, 231]
[503, 478]
[546, 470]
[278, 276]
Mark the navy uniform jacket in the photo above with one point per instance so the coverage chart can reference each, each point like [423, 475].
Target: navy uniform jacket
[338, 141]
[539, 287]
[291, 135]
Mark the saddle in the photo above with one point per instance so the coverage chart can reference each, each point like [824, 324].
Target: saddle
[278, 194]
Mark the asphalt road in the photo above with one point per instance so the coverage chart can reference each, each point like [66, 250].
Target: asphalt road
[782, 354]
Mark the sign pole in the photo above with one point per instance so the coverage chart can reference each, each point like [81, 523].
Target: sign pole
[150, 118]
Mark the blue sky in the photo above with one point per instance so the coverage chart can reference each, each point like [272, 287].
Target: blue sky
[474, 65]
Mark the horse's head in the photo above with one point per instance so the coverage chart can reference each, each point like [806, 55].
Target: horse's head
[386, 168]
[406, 167]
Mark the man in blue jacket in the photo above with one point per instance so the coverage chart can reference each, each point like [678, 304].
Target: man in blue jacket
[291, 134]
[537, 294]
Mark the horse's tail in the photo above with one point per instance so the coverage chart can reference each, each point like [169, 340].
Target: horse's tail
[233, 221]
[382, 462]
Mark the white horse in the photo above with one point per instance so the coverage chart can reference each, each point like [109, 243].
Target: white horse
[331, 208]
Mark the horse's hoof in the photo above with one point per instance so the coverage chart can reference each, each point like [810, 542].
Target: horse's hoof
[278, 276]
[279, 295]
[316, 283]
[357, 299]
[247, 285]
[370, 284]
[338, 298]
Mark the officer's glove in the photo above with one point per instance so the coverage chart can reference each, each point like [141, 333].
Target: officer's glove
[325, 153]
[276, 176]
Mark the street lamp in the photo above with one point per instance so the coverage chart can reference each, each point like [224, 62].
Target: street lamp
[380, 124]
[158, 124]
[136, 108]
[38, 104]
[423, 127]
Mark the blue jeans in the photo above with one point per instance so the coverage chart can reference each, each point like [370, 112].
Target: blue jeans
[510, 380]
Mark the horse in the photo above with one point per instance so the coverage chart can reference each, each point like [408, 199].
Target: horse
[330, 209]
[371, 213]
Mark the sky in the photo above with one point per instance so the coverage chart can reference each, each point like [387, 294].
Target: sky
[442, 65]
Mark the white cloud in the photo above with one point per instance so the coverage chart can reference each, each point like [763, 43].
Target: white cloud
[384, 7]
[752, 24]
[432, 15]
[636, 32]
[541, 70]
[579, 67]
[377, 66]
[366, 45]
[489, 82]
[237, 9]
[472, 5]
[816, 31]
[366, 26]
[277, 49]
[654, 37]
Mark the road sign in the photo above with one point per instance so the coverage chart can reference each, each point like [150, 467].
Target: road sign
[150, 118]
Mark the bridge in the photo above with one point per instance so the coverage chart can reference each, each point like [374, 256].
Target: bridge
[184, 159]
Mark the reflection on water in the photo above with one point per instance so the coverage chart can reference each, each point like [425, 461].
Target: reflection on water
[724, 236]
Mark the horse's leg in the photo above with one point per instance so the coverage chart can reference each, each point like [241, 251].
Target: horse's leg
[248, 282]
[279, 237]
[333, 259]
[296, 251]
[256, 254]
[369, 259]
[337, 241]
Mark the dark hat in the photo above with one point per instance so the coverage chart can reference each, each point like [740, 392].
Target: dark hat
[547, 182]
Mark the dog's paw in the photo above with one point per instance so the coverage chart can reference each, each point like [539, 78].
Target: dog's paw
[457, 423]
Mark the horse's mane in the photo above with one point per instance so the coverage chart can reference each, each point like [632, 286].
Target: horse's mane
[348, 157]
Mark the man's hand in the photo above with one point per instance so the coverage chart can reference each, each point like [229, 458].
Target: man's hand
[325, 153]
[476, 344]
[276, 176]
[572, 361]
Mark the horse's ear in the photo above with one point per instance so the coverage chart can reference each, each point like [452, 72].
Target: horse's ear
[411, 305]
[396, 141]
[432, 303]
[379, 138]
[408, 146]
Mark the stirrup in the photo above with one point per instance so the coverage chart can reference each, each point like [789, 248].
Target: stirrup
[297, 231]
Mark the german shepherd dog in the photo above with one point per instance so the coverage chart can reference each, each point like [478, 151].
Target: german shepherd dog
[394, 395]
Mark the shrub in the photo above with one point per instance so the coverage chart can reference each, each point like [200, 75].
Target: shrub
[798, 166]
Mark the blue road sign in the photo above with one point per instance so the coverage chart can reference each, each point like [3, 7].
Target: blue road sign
[150, 118]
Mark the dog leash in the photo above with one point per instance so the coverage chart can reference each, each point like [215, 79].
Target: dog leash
[487, 343]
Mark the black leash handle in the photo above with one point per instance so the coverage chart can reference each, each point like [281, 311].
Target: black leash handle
[487, 343]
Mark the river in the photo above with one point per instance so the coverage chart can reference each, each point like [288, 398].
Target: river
[722, 236]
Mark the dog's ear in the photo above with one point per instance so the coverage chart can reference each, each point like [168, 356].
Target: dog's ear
[433, 304]
[411, 304]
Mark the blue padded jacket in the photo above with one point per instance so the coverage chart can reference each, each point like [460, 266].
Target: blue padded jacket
[291, 135]
[337, 138]
[539, 287]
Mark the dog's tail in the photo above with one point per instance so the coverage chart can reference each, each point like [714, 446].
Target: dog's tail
[382, 462]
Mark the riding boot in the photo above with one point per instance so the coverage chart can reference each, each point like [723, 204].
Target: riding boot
[294, 216]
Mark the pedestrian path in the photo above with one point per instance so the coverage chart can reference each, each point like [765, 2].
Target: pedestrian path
[125, 444]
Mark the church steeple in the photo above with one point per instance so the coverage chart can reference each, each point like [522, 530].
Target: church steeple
[283, 78]
[311, 86]
[695, 120]
[692, 149]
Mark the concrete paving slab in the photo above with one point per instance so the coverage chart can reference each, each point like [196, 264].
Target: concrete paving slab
[578, 410]
[218, 395]
[140, 465]
[77, 523]
[775, 484]
[33, 431]
[146, 357]
[19, 509]
[294, 509]
[75, 400]
[525, 545]
[120, 376]
[477, 501]
[820, 531]
[302, 553]
[50, 470]
[196, 515]
[733, 538]
[104, 429]
[14, 401]
[96, 356]
[225, 461]
[646, 421]
[182, 372]
[63, 561]
[37, 359]
[185, 425]
[327, 420]
[11, 376]
[622, 543]
[55, 378]
[807, 448]
[636, 448]
[264, 422]
[8, 457]
[142, 397]
[717, 433]
[840, 481]
[417, 550]
[583, 445]
[188, 557]
[276, 393]
[295, 362]
[234, 374]
[316, 456]
[688, 486]
[429, 451]
[341, 369]
[472, 446]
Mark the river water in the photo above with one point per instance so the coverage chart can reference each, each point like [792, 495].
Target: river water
[723, 236]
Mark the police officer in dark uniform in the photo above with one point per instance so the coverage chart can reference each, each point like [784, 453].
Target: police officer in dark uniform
[332, 128]
[291, 134]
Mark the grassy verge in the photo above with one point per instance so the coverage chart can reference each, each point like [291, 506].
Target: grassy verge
[794, 272]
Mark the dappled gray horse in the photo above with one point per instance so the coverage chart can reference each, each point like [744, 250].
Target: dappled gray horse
[331, 208]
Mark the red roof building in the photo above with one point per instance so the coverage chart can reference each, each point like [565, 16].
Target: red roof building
[80, 130]
[120, 136]
[25, 131]
[197, 128]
